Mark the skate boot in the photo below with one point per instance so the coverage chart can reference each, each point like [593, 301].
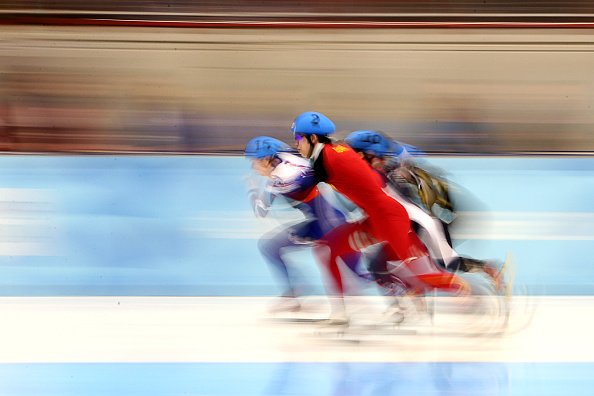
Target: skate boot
[395, 314]
[491, 268]
[285, 304]
[340, 319]
[405, 308]
[338, 314]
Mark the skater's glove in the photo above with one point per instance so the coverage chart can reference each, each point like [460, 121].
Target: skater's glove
[260, 209]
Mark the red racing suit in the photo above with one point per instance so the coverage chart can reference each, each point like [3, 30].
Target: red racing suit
[386, 221]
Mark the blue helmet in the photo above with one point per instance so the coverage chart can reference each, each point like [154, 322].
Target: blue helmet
[370, 142]
[264, 146]
[313, 123]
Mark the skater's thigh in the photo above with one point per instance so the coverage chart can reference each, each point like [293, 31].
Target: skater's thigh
[355, 236]
[284, 236]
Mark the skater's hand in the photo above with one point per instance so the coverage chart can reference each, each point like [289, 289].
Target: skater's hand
[260, 209]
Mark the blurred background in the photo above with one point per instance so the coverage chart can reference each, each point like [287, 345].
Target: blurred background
[491, 90]
[453, 77]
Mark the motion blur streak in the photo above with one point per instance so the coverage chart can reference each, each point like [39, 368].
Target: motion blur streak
[118, 89]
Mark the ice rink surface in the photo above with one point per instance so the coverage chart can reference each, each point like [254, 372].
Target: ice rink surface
[232, 346]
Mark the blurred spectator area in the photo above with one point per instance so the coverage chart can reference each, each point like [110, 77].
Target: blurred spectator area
[299, 10]
[357, 6]
[138, 89]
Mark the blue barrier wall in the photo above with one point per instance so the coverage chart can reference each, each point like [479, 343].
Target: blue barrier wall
[166, 225]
